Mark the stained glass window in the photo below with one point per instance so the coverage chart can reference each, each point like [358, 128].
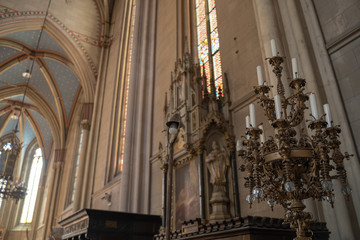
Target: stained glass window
[207, 28]
[7, 146]
[121, 160]
[32, 187]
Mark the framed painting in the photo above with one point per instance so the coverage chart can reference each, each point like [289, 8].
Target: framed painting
[187, 199]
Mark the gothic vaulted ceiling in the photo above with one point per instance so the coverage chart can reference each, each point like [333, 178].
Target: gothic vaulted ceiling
[58, 42]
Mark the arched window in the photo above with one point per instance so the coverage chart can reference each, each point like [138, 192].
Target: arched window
[208, 42]
[32, 187]
[121, 106]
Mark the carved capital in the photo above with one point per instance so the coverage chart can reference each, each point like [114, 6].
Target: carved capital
[106, 42]
[85, 124]
[164, 167]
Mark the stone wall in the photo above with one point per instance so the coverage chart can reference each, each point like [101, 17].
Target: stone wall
[340, 24]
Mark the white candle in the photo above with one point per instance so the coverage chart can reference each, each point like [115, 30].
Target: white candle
[294, 68]
[252, 115]
[259, 75]
[328, 115]
[247, 121]
[273, 47]
[262, 135]
[238, 145]
[277, 106]
[313, 106]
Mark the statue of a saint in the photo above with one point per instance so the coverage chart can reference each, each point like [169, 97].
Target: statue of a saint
[217, 163]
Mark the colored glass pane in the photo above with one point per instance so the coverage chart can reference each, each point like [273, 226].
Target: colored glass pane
[200, 11]
[215, 45]
[123, 133]
[208, 20]
[7, 147]
[202, 32]
[217, 65]
[207, 70]
[203, 51]
[211, 4]
[213, 20]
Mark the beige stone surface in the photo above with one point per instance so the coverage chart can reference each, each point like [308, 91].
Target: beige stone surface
[337, 17]
[156, 189]
[241, 51]
[165, 54]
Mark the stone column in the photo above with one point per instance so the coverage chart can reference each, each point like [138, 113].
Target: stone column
[78, 203]
[54, 190]
[201, 181]
[268, 28]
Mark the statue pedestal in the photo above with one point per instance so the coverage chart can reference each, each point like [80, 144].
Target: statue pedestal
[219, 202]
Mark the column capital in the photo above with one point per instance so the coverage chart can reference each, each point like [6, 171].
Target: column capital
[85, 124]
[59, 156]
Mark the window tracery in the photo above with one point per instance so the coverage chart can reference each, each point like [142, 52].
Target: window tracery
[208, 43]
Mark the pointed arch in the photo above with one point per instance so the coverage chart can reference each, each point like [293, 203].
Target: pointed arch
[83, 65]
[58, 131]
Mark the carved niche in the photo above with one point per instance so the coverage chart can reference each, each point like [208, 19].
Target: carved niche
[204, 118]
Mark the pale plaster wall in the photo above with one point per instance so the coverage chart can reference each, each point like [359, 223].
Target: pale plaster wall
[103, 147]
[340, 24]
[165, 56]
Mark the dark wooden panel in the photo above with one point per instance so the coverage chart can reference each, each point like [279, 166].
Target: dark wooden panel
[106, 225]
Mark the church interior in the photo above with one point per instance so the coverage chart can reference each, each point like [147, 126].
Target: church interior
[193, 119]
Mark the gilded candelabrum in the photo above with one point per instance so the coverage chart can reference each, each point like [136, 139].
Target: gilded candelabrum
[291, 167]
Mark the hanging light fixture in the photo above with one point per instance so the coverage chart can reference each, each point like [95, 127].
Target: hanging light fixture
[9, 187]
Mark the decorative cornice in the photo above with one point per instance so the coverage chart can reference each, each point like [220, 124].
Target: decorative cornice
[196, 228]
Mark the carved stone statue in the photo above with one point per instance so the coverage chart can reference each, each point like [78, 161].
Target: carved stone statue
[218, 163]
